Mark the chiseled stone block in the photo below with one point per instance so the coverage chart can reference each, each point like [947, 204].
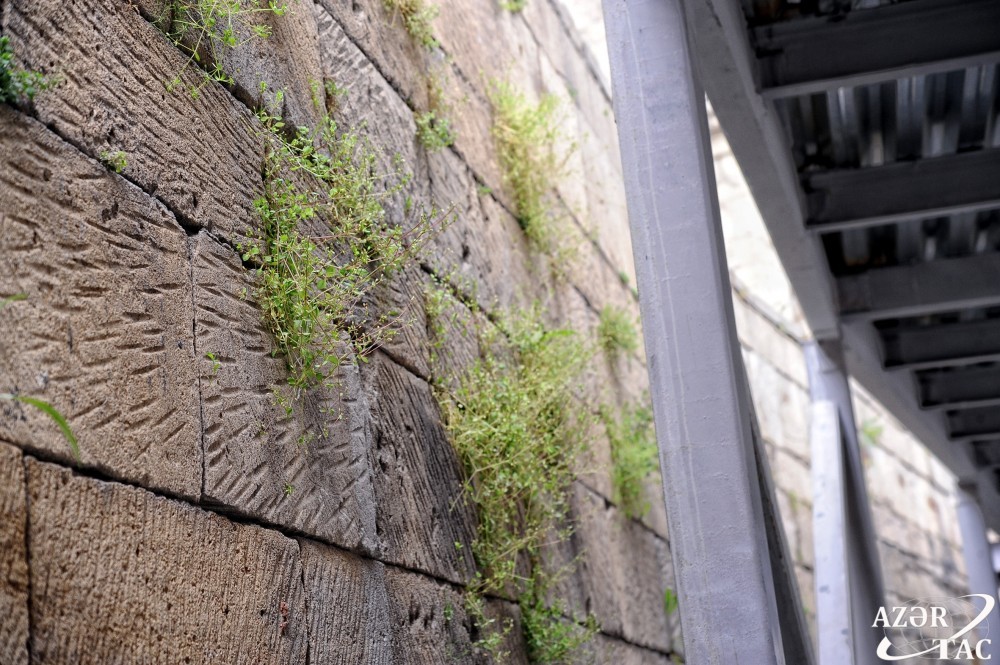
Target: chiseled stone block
[119, 575]
[105, 332]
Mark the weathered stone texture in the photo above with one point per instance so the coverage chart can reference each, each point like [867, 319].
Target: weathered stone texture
[105, 333]
[371, 107]
[308, 470]
[420, 513]
[362, 612]
[13, 559]
[198, 155]
[119, 575]
[613, 651]
[432, 627]
[384, 41]
[348, 607]
[622, 574]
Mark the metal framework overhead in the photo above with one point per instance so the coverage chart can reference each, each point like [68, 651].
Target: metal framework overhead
[869, 133]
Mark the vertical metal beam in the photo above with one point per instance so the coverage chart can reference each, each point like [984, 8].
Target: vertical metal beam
[712, 485]
[978, 558]
[828, 383]
[833, 590]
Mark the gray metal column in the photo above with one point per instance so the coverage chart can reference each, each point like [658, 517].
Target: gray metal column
[978, 559]
[719, 521]
[832, 575]
[863, 592]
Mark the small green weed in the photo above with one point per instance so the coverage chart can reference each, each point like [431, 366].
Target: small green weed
[49, 410]
[871, 432]
[417, 16]
[434, 132]
[116, 161]
[518, 430]
[17, 84]
[513, 5]
[525, 136]
[215, 362]
[204, 28]
[551, 638]
[634, 455]
[434, 129]
[315, 286]
[14, 298]
[289, 488]
[670, 602]
[616, 332]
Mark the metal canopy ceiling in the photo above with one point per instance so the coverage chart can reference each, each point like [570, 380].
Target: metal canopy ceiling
[869, 133]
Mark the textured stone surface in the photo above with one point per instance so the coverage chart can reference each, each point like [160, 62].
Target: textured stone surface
[431, 626]
[622, 574]
[287, 61]
[616, 652]
[420, 515]
[105, 333]
[486, 254]
[385, 43]
[13, 560]
[254, 450]
[119, 575]
[199, 155]
[391, 131]
[348, 607]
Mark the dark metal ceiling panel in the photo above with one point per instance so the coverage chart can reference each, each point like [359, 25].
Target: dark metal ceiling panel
[888, 42]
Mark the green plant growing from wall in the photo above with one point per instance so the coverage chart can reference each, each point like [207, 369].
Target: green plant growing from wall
[204, 29]
[634, 455]
[18, 84]
[670, 601]
[616, 332]
[325, 244]
[117, 161]
[434, 129]
[513, 5]
[518, 430]
[526, 135]
[58, 418]
[417, 17]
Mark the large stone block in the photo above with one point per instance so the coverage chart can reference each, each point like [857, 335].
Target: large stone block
[421, 519]
[105, 333]
[606, 649]
[119, 575]
[13, 558]
[307, 470]
[201, 156]
[485, 253]
[431, 626]
[383, 39]
[348, 608]
[371, 107]
[622, 573]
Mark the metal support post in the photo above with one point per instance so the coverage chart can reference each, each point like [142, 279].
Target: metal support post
[852, 534]
[978, 561]
[833, 591]
[721, 516]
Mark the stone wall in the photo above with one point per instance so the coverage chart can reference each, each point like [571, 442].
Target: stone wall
[173, 539]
